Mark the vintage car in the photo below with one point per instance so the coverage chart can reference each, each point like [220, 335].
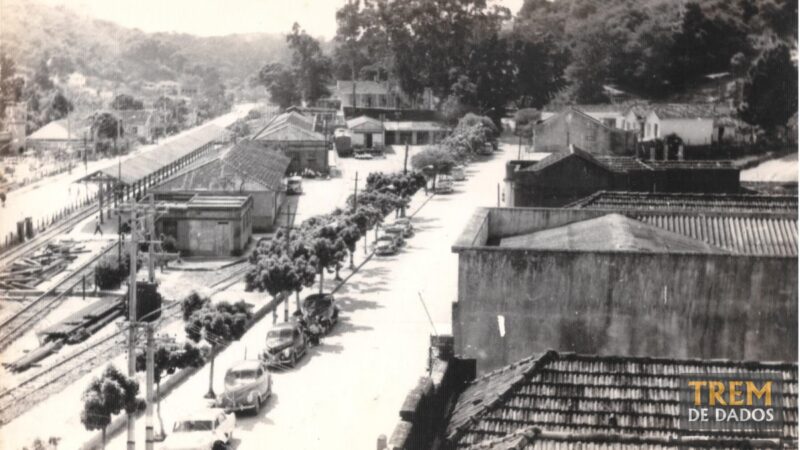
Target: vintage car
[322, 309]
[385, 248]
[286, 343]
[395, 238]
[458, 173]
[248, 385]
[444, 186]
[294, 185]
[403, 228]
[201, 430]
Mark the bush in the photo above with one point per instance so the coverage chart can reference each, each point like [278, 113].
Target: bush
[108, 274]
[169, 244]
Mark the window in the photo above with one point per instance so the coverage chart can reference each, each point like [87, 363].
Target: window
[383, 99]
[609, 122]
[655, 129]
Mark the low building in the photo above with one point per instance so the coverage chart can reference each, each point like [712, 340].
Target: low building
[414, 132]
[137, 124]
[294, 135]
[379, 94]
[366, 132]
[574, 127]
[695, 124]
[563, 400]
[572, 174]
[687, 284]
[249, 169]
[203, 225]
[609, 114]
[60, 135]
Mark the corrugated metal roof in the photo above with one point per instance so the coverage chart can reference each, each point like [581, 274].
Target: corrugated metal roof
[666, 201]
[687, 110]
[577, 395]
[144, 164]
[759, 235]
[223, 202]
[288, 131]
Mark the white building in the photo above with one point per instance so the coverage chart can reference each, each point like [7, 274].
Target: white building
[366, 132]
[695, 124]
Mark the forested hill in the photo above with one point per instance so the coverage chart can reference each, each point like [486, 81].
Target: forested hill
[654, 48]
[32, 31]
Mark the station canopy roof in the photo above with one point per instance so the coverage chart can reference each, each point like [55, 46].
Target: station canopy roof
[139, 166]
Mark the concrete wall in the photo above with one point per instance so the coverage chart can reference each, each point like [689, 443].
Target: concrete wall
[679, 305]
[691, 131]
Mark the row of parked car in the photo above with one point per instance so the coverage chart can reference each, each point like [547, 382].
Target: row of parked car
[248, 383]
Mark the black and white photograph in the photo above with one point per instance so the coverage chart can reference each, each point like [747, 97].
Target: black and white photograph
[398, 224]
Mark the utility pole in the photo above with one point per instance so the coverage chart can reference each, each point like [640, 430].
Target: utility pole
[355, 194]
[150, 391]
[151, 230]
[132, 323]
[118, 201]
[405, 161]
[100, 196]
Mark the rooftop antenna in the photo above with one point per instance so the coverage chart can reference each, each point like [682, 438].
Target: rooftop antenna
[427, 314]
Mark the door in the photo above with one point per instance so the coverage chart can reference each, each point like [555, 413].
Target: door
[368, 140]
[222, 239]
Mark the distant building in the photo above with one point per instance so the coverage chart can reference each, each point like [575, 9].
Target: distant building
[567, 401]
[574, 127]
[569, 175]
[695, 124]
[379, 94]
[609, 114]
[250, 170]
[137, 124]
[366, 132]
[414, 132]
[294, 135]
[691, 283]
[60, 135]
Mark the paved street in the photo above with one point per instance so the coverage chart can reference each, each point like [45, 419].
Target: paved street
[351, 386]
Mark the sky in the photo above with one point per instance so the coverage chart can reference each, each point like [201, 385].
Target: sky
[220, 17]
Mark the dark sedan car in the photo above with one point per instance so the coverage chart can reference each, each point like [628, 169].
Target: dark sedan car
[286, 343]
[321, 309]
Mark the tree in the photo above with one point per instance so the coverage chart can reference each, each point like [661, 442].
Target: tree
[106, 396]
[167, 359]
[59, 107]
[171, 114]
[311, 67]
[524, 120]
[11, 85]
[278, 275]
[433, 161]
[770, 91]
[218, 324]
[106, 126]
[126, 102]
[281, 84]
[41, 76]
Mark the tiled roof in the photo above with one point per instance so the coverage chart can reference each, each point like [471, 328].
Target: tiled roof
[211, 176]
[365, 124]
[571, 152]
[259, 163]
[662, 201]
[623, 163]
[288, 131]
[612, 232]
[698, 164]
[597, 399]
[686, 110]
[602, 108]
[757, 235]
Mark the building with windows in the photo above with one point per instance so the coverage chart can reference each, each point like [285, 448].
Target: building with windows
[293, 134]
[366, 132]
[575, 127]
[694, 123]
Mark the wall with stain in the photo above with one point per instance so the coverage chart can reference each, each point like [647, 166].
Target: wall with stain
[614, 303]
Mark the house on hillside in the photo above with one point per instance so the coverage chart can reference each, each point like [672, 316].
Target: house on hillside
[574, 127]
[137, 124]
[250, 169]
[694, 123]
[294, 135]
[379, 94]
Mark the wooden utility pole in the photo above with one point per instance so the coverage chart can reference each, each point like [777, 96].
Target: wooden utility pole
[405, 161]
[355, 194]
[132, 325]
[150, 397]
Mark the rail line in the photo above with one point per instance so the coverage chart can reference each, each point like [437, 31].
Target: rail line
[21, 321]
[52, 379]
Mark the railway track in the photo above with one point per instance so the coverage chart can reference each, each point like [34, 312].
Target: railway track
[21, 321]
[41, 239]
[61, 373]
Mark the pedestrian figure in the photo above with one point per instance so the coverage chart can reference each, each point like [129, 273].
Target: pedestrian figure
[426, 188]
[3, 198]
[97, 228]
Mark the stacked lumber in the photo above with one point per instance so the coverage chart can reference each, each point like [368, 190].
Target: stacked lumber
[22, 275]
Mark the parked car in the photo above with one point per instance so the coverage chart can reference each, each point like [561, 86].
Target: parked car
[487, 149]
[248, 385]
[458, 173]
[294, 185]
[363, 155]
[385, 248]
[201, 430]
[395, 235]
[286, 344]
[404, 223]
[322, 309]
[398, 230]
[444, 186]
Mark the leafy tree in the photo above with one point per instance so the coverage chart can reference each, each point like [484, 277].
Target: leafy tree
[106, 396]
[126, 102]
[171, 114]
[770, 91]
[311, 67]
[193, 302]
[42, 77]
[539, 64]
[60, 107]
[11, 85]
[433, 161]
[525, 119]
[281, 84]
[106, 126]
[278, 275]
[218, 324]
[328, 252]
[167, 359]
